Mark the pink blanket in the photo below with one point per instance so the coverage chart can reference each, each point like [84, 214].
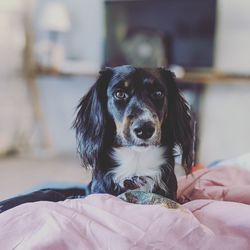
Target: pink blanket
[216, 215]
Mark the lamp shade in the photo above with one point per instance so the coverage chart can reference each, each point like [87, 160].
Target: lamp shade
[55, 17]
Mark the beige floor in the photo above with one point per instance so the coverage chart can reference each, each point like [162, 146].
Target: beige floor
[21, 174]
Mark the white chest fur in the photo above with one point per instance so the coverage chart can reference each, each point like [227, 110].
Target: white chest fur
[138, 161]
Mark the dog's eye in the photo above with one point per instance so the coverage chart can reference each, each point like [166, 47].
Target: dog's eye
[158, 94]
[120, 95]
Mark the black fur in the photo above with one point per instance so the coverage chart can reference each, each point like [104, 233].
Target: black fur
[96, 128]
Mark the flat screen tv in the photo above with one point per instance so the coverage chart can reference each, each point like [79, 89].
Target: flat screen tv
[188, 27]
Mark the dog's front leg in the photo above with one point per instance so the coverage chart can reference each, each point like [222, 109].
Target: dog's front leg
[105, 184]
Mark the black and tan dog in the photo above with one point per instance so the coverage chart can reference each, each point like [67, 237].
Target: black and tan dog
[128, 127]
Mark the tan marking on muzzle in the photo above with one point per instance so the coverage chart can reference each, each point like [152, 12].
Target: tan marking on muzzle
[122, 128]
[126, 126]
[119, 126]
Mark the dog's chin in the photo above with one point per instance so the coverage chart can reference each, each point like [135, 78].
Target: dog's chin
[145, 144]
[142, 148]
[140, 145]
[122, 141]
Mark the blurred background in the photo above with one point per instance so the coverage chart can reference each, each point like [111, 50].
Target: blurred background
[51, 52]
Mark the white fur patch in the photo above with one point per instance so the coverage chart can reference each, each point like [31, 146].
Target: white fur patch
[139, 161]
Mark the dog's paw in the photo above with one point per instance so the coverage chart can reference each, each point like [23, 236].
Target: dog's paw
[143, 183]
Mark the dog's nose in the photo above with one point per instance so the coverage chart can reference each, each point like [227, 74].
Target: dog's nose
[144, 130]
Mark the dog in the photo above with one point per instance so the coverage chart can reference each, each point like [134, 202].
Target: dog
[128, 127]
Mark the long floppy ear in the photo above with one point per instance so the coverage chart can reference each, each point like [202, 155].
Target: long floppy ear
[91, 120]
[178, 124]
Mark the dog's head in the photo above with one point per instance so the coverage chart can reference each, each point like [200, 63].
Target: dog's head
[130, 106]
[137, 103]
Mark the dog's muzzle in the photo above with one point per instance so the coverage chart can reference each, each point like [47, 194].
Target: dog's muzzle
[145, 130]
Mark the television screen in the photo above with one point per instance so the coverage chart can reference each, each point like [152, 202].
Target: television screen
[186, 29]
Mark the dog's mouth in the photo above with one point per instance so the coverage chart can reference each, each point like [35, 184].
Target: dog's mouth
[131, 141]
[143, 145]
[147, 144]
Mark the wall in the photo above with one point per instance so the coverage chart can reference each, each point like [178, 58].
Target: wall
[232, 52]
[84, 42]
[86, 38]
[225, 121]
[59, 98]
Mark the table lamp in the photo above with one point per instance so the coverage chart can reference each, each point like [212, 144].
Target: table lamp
[55, 20]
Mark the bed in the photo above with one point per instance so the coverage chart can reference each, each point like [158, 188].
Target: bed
[213, 212]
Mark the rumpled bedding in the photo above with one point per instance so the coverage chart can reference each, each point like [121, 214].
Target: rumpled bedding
[215, 214]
